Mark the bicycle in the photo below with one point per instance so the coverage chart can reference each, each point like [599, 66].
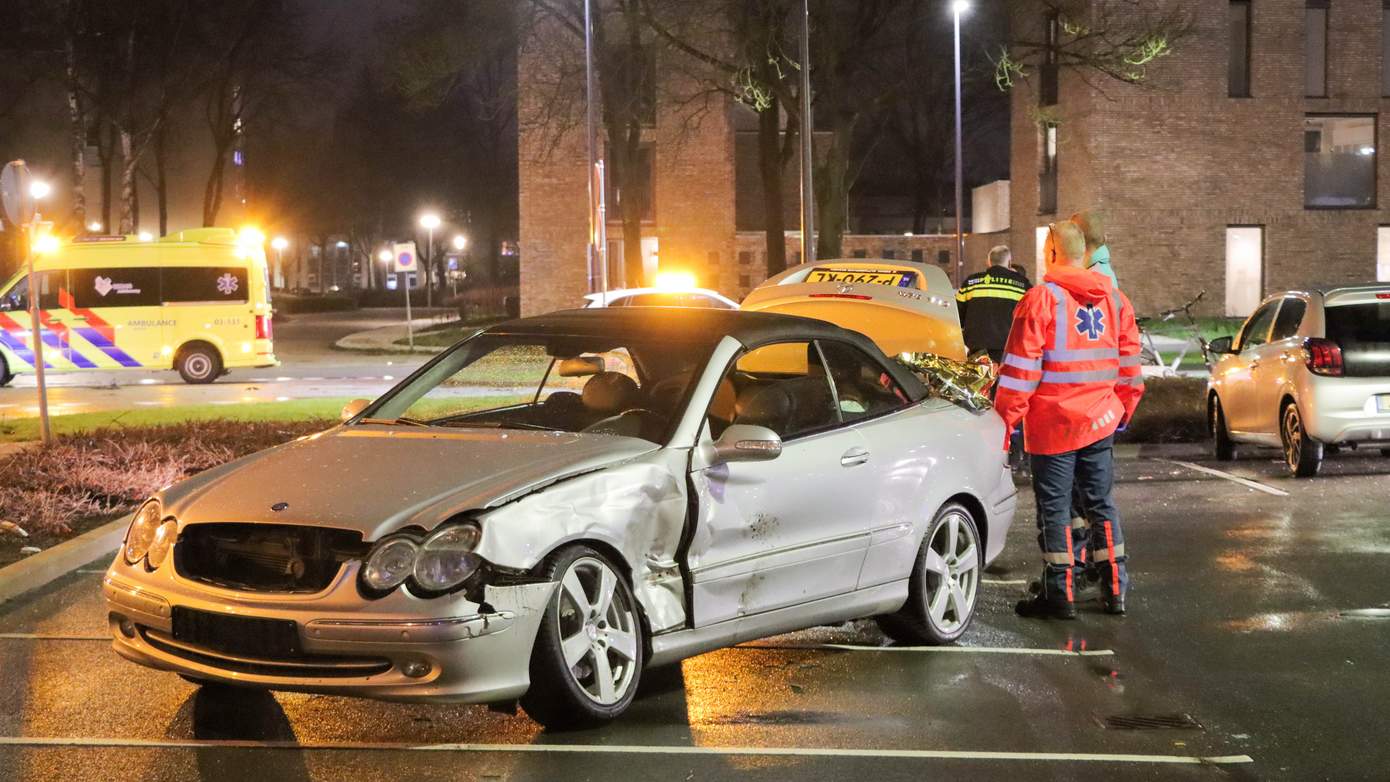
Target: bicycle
[1149, 353]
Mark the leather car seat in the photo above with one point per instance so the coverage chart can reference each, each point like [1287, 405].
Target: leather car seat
[768, 406]
[610, 393]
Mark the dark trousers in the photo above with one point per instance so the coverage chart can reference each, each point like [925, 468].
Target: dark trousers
[1066, 545]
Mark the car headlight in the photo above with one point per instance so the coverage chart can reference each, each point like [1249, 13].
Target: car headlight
[142, 530]
[390, 564]
[164, 538]
[446, 558]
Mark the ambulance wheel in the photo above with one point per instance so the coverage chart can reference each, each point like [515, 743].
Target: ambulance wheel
[1302, 453]
[1221, 434]
[198, 363]
[5, 376]
[944, 585]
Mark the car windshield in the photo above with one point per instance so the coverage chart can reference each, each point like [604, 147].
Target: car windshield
[603, 385]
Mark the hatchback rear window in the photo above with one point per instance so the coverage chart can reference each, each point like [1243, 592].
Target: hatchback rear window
[1359, 323]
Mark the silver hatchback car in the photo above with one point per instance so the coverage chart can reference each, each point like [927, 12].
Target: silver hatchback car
[1308, 371]
[558, 502]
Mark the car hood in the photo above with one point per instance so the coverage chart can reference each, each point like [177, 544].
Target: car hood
[377, 479]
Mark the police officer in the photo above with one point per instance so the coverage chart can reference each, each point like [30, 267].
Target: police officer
[986, 302]
[1071, 374]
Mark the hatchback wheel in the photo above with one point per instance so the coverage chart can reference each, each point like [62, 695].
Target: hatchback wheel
[945, 583]
[1302, 453]
[199, 364]
[589, 651]
[1221, 434]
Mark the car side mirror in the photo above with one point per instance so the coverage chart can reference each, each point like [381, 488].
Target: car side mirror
[1221, 345]
[745, 443]
[354, 408]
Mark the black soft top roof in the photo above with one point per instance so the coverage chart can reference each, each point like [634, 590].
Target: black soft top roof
[700, 326]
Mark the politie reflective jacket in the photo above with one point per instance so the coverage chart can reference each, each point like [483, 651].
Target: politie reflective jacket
[1071, 365]
[986, 302]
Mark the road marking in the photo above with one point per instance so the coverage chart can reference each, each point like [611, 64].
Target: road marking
[938, 649]
[1256, 485]
[634, 749]
[1004, 581]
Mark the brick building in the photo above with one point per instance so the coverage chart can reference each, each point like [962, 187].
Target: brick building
[1249, 163]
[705, 210]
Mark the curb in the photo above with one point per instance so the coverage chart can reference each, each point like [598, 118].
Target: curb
[383, 340]
[48, 566]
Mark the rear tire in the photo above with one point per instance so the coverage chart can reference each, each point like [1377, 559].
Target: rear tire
[1221, 435]
[944, 588]
[589, 651]
[198, 364]
[1302, 453]
[5, 376]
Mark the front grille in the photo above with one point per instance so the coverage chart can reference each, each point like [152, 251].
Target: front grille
[313, 666]
[265, 557]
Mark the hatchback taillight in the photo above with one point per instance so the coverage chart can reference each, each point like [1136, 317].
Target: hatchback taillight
[1324, 357]
[263, 328]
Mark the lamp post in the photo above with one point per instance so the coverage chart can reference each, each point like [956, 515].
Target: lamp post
[959, 7]
[279, 244]
[460, 242]
[808, 192]
[429, 221]
[38, 190]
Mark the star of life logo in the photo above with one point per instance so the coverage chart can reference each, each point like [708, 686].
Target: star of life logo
[1090, 322]
[226, 285]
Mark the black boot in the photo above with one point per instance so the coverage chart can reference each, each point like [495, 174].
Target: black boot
[1039, 607]
[1113, 604]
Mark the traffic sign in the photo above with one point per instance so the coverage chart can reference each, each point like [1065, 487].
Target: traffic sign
[14, 193]
[406, 258]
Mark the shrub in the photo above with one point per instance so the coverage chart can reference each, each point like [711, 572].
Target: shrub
[289, 303]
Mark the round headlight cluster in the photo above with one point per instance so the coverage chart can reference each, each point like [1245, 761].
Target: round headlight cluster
[142, 531]
[441, 562]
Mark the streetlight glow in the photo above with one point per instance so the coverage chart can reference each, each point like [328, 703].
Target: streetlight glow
[429, 221]
[48, 243]
[145, 236]
[460, 241]
[384, 256]
[960, 6]
[279, 243]
[39, 189]
[94, 226]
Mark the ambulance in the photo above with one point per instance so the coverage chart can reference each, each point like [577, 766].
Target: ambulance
[197, 301]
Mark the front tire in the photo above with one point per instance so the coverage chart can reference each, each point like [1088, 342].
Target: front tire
[199, 364]
[1302, 453]
[945, 583]
[590, 648]
[1225, 447]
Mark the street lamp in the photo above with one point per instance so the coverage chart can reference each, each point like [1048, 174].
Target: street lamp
[94, 226]
[145, 236]
[959, 7]
[429, 221]
[460, 242]
[39, 189]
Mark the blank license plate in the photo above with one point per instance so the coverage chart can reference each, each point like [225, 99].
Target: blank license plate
[1383, 403]
[239, 635]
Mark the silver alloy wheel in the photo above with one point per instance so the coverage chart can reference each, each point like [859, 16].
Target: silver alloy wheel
[952, 569]
[1293, 437]
[198, 365]
[598, 630]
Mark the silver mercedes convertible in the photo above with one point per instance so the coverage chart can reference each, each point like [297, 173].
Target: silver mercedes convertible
[558, 502]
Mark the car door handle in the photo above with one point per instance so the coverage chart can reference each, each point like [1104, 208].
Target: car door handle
[854, 456]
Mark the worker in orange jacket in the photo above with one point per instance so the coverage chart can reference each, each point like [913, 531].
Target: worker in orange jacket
[1071, 375]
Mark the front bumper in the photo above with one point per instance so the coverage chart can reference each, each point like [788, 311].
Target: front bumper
[395, 648]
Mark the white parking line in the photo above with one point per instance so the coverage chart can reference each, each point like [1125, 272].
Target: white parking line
[939, 649]
[636, 749]
[1256, 485]
[1004, 581]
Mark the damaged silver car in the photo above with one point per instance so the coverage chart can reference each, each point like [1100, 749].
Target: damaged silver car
[555, 504]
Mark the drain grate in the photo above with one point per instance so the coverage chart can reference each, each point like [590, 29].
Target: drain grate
[1150, 722]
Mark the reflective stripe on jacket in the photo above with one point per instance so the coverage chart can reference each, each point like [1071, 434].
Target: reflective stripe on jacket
[1071, 366]
[986, 302]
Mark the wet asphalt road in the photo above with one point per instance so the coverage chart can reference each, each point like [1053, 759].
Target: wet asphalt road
[1236, 620]
[310, 368]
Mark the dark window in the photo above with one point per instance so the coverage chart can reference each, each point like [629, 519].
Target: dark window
[138, 287]
[745, 257]
[204, 284]
[917, 256]
[1256, 330]
[1385, 50]
[943, 257]
[1238, 73]
[861, 253]
[619, 186]
[783, 387]
[1339, 170]
[1290, 318]
[1047, 175]
[862, 386]
[745, 282]
[889, 254]
[17, 299]
[1315, 48]
[1357, 324]
[1047, 90]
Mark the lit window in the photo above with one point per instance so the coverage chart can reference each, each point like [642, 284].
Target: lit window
[1339, 158]
[1245, 250]
[1383, 254]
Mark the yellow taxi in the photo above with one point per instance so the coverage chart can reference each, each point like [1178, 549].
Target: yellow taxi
[197, 301]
